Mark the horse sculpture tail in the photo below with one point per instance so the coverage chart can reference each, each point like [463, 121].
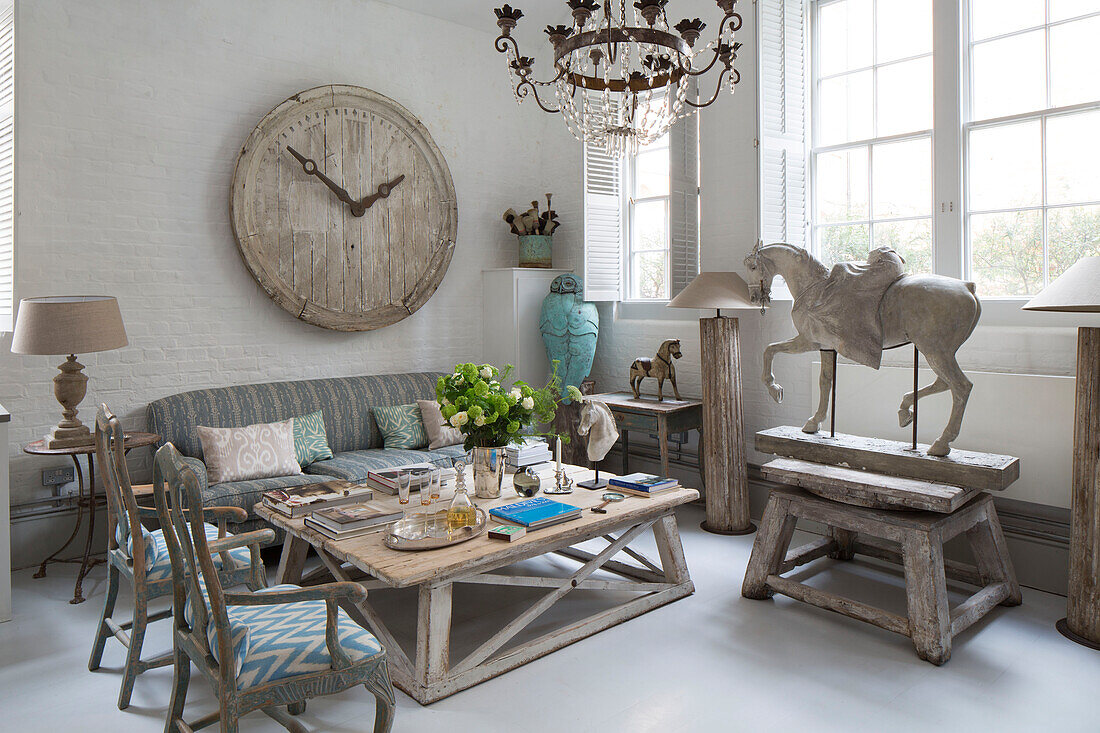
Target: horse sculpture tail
[977, 307]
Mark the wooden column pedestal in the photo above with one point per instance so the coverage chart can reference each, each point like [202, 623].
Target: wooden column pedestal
[724, 471]
[1082, 622]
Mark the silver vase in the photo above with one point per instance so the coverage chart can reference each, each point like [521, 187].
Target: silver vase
[488, 472]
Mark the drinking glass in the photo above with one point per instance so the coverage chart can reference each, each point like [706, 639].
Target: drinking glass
[404, 483]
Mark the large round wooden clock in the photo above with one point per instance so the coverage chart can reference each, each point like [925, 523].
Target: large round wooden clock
[344, 209]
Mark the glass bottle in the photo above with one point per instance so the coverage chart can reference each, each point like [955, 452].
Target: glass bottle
[461, 512]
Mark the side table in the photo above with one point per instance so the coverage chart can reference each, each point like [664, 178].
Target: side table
[649, 415]
[85, 500]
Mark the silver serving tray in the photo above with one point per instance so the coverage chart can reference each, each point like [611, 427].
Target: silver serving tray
[403, 534]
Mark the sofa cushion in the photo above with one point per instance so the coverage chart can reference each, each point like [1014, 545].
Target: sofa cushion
[354, 465]
[252, 452]
[246, 494]
[401, 426]
[440, 434]
[310, 441]
[345, 401]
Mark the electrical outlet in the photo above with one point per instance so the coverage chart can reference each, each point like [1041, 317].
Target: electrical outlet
[58, 476]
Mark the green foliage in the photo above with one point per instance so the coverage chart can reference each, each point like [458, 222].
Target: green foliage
[474, 399]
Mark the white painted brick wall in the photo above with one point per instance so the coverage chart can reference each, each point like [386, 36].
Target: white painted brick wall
[130, 118]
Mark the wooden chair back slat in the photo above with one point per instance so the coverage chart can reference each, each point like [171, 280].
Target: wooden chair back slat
[123, 515]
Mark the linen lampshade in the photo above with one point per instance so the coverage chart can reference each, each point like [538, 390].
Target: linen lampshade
[1077, 290]
[714, 290]
[68, 324]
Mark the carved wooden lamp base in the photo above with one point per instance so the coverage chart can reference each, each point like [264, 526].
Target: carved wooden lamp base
[70, 387]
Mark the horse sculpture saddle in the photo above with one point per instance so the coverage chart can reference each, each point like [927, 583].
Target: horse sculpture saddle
[846, 305]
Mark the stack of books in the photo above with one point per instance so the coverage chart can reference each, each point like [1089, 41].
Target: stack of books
[298, 501]
[644, 484]
[385, 479]
[343, 522]
[531, 452]
[536, 512]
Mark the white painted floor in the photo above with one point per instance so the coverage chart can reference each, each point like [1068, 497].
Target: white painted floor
[710, 662]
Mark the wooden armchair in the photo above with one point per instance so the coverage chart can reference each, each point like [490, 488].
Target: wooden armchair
[142, 557]
[260, 651]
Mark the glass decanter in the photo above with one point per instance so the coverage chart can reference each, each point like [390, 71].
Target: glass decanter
[461, 513]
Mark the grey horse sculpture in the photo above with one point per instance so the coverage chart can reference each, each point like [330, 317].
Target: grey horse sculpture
[859, 309]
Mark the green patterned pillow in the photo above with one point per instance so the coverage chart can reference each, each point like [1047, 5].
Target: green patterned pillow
[310, 441]
[401, 426]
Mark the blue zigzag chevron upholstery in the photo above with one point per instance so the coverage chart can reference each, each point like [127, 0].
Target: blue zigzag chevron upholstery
[401, 426]
[158, 565]
[310, 441]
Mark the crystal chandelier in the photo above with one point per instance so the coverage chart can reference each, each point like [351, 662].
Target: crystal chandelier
[622, 82]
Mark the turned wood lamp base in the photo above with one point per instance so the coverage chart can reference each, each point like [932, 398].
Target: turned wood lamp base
[69, 387]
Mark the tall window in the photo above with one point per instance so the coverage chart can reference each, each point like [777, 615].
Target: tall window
[641, 218]
[647, 238]
[871, 162]
[1032, 141]
[997, 182]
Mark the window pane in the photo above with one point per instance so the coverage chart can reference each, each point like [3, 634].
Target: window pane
[650, 225]
[901, 178]
[1009, 76]
[911, 239]
[845, 36]
[651, 174]
[843, 192]
[1074, 61]
[904, 28]
[1072, 233]
[1062, 9]
[904, 97]
[994, 17]
[845, 109]
[844, 243]
[1006, 253]
[1073, 158]
[650, 270]
[1005, 166]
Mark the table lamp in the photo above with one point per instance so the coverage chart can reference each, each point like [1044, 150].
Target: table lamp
[68, 324]
[1077, 290]
[723, 446]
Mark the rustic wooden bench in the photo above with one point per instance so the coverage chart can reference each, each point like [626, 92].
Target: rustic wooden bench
[912, 538]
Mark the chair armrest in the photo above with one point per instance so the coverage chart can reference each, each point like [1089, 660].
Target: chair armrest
[329, 591]
[259, 537]
[227, 513]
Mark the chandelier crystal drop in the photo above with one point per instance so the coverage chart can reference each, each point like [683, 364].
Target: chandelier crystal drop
[624, 74]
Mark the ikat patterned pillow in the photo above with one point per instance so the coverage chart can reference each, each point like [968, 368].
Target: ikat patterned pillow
[401, 426]
[243, 454]
[310, 440]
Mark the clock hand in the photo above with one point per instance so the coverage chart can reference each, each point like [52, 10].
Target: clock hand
[311, 169]
[384, 190]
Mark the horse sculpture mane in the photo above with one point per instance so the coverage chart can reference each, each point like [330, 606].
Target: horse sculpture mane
[859, 308]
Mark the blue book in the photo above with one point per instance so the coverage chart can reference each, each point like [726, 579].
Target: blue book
[644, 482]
[536, 512]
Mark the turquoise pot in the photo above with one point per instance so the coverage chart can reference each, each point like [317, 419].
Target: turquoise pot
[535, 250]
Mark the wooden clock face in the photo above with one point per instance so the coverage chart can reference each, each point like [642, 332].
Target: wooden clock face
[343, 208]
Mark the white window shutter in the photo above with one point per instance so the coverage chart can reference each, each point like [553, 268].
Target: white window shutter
[7, 164]
[603, 223]
[683, 204]
[783, 121]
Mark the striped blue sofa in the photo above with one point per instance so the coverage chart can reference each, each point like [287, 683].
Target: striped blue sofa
[346, 403]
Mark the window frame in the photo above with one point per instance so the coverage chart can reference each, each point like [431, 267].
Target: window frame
[814, 150]
[630, 201]
[967, 124]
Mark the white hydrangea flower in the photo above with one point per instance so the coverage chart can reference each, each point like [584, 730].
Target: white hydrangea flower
[459, 419]
[515, 394]
[486, 372]
[528, 403]
[480, 420]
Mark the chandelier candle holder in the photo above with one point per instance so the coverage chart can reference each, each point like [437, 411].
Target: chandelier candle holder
[623, 75]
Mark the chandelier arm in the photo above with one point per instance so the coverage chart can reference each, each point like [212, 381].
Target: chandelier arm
[524, 87]
[502, 42]
[717, 91]
[551, 82]
[704, 70]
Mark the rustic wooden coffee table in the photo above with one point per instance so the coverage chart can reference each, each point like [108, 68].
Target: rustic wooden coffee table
[431, 675]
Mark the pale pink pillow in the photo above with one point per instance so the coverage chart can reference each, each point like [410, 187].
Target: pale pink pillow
[242, 454]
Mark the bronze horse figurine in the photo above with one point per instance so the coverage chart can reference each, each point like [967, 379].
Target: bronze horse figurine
[659, 367]
[859, 309]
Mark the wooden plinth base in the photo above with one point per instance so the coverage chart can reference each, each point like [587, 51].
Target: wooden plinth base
[747, 530]
[1063, 628]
